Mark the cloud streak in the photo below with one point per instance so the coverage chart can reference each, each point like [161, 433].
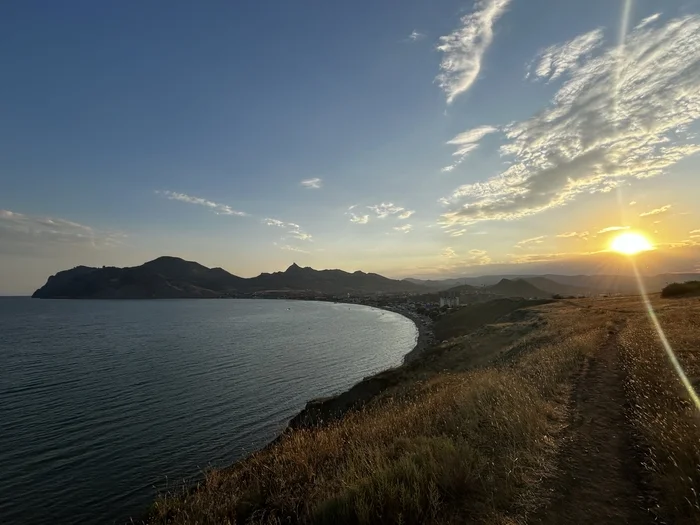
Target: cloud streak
[219, 209]
[29, 229]
[656, 211]
[467, 142]
[613, 229]
[568, 235]
[403, 229]
[312, 183]
[385, 209]
[294, 231]
[532, 240]
[619, 114]
[464, 48]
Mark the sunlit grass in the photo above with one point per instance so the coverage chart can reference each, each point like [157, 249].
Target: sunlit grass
[467, 446]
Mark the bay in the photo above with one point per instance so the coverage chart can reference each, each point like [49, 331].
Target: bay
[103, 403]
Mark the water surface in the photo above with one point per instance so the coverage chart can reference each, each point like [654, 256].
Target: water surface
[102, 401]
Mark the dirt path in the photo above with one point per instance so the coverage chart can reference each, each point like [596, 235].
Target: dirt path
[600, 476]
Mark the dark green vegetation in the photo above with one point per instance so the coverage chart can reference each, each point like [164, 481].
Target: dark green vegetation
[171, 277]
[681, 289]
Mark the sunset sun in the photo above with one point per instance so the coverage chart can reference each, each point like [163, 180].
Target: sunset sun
[630, 244]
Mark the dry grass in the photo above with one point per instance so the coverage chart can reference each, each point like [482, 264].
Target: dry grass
[464, 447]
[660, 408]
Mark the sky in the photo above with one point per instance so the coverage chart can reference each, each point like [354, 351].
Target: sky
[418, 138]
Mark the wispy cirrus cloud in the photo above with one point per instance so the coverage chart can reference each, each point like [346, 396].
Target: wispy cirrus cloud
[385, 209]
[290, 248]
[415, 36]
[656, 211]
[613, 229]
[403, 229]
[467, 142]
[21, 229]
[532, 240]
[464, 48]
[620, 114]
[312, 183]
[568, 235]
[359, 219]
[219, 209]
[294, 231]
[553, 62]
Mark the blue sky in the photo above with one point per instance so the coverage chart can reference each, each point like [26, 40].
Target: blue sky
[468, 137]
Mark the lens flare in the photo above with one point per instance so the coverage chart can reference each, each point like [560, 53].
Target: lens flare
[630, 244]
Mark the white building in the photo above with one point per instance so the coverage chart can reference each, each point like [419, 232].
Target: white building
[449, 301]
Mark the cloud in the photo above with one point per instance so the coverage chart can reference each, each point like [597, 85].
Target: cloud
[312, 183]
[294, 231]
[404, 229]
[613, 229]
[693, 232]
[537, 257]
[556, 60]
[464, 48]
[580, 235]
[458, 233]
[467, 142]
[533, 240]
[219, 209]
[620, 114]
[406, 214]
[20, 229]
[476, 258]
[292, 249]
[359, 219]
[415, 36]
[448, 253]
[656, 211]
[385, 209]
[633, 203]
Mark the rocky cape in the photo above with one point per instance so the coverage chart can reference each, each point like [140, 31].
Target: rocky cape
[172, 277]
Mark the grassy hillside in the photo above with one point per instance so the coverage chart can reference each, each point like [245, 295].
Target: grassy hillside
[514, 419]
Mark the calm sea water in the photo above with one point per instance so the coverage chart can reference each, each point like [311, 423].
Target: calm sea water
[101, 402]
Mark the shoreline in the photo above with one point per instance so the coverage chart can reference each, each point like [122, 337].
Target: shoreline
[318, 411]
[321, 410]
[425, 337]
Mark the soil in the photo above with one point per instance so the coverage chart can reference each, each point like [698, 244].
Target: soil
[600, 478]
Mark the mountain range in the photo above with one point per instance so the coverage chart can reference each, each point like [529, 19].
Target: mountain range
[172, 277]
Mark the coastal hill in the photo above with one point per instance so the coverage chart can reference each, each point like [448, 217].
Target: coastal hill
[510, 288]
[517, 288]
[172, 277]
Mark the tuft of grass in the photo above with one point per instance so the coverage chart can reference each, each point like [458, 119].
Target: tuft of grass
[661, 410]
[463, 447]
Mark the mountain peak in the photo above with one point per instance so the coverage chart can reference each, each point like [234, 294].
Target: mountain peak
[293, 268]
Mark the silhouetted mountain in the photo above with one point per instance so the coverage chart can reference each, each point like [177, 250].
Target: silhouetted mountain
[517, 288]
[171, 277]
[507, 288]
[574, 284]
[553, 287]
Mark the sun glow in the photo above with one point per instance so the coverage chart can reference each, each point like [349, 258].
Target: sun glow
[630, 243]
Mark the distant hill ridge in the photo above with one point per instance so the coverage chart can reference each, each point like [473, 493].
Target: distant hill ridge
[508, 288]
[172, 277]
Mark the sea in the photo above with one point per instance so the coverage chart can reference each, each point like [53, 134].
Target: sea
[104, 404]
